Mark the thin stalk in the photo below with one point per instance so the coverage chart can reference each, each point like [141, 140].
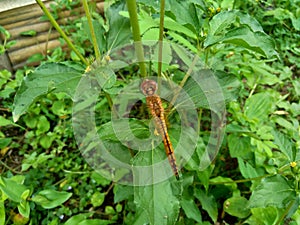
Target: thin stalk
[132, 10]
[60, 31]
[92, 30]
[160, 38]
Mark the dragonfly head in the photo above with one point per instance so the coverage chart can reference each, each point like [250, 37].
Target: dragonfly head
[148, 87]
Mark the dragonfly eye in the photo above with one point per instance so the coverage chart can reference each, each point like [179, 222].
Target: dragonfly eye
[148, 87]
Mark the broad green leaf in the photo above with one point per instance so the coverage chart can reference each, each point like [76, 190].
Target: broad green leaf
[43, 124]
[248, 35]
[191, 210]
[49, 199]
[156, 203]
[285, 123]
[192, 18]
[259, 106]
[122, 192]
[236, 206]
[213, 89]
[170, 24]
[183, 41]
[247, 170]
[226, 180]
[273, 191]
[2, 213]
[284, 144]
[239, 146]
[218, 26]
[96, 222]
[123, 130]
[264, 216]
[50, 77]
[12, 189]
[24, 208]
[155, 4]
[119, 32]
[97, 199]
[75, 220]
[208, 203]
[255, 41]
[99, 33]
[100, 180]
[6, 122]
[34, 160]
[251, 22]
[105, 76]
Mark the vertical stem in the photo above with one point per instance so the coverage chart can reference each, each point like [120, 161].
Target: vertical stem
[160, 38]
[61, 32]
[132, 10]
[91, 27]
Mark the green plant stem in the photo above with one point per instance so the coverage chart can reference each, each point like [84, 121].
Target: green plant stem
[160, 38]
[91, 27]
[61, 32]
[9, 168]
[132, 10]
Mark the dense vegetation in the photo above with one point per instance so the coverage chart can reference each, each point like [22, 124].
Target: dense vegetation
[249, 49]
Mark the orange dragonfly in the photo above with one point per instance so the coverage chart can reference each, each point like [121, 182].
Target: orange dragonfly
[149, 88]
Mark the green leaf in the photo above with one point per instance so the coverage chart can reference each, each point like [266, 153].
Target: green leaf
[208, 203]
[123, 130]
[170, 24]
[24, 209]
[122, 192]
[30, 33]
[2, 213]
[235, 206]
[156, 204]
[284, 144]
[248, 35]
[49, 199]
[6, 122]
[247, 170]
[239, 146]
[43, 125]
[213, 89]
[13, 188]
[191, 18]
[273, 191]
[119, 32]
[34, 160]
[48, 77]
[99, 33]
[191, 210]
[75, 220]
[255, 41]
[218, 26]
[266, 216]
[259, 106]
[97, 199]
[96, 222]
[105, 76]
[183, 41]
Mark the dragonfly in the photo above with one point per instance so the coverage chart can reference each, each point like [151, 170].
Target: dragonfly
[149, 88]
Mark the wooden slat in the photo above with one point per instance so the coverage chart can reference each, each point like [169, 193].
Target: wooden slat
[6, 5]
[28, 18]
[19, 55]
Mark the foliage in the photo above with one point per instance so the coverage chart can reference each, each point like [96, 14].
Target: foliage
[251, 48]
